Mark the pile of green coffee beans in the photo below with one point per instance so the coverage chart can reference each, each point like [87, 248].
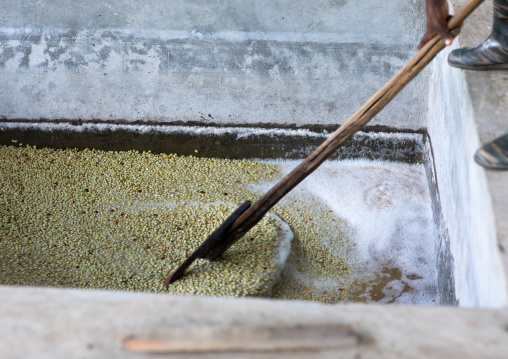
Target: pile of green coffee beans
[125, 220]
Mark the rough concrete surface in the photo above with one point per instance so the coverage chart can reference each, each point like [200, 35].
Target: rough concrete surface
[466, 208]
[280, 63]
[86, 324]
[463, 106]
[488, 92]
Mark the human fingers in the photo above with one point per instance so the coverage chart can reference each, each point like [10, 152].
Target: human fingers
[424, 40]
[445, 35]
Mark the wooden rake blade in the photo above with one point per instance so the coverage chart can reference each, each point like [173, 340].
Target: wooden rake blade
[208, 245]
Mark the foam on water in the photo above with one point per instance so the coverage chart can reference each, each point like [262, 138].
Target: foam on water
[388, 209]
[241, 132]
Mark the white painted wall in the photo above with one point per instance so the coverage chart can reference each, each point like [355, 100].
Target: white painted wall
[465, 200]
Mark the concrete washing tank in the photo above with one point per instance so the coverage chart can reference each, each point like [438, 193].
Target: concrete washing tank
[266, 81]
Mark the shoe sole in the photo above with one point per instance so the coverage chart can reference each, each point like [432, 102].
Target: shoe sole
[480, 159]
[480, 67]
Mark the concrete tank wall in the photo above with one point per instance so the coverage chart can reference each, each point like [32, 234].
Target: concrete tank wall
[467, 218]
[282, 63]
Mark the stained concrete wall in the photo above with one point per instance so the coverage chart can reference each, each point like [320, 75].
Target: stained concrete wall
[237, 62]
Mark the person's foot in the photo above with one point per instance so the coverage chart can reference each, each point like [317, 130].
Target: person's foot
[492, 54]
[489, 55]
[494, 155]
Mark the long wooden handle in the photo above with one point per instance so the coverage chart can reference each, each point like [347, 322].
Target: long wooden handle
[355, 123]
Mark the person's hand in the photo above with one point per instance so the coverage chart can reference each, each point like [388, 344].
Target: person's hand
[437, 18]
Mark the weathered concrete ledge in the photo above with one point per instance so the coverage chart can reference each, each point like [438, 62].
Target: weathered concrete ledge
[53, 323]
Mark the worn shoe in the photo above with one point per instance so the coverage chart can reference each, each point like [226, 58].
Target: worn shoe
[492, 54]
[494, 155]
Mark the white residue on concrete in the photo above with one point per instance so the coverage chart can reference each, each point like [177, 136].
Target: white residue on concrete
[233, 36]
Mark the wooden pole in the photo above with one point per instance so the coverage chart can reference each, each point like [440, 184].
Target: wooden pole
[355, 123]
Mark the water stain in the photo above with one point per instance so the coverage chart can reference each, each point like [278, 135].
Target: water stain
[388, 285]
